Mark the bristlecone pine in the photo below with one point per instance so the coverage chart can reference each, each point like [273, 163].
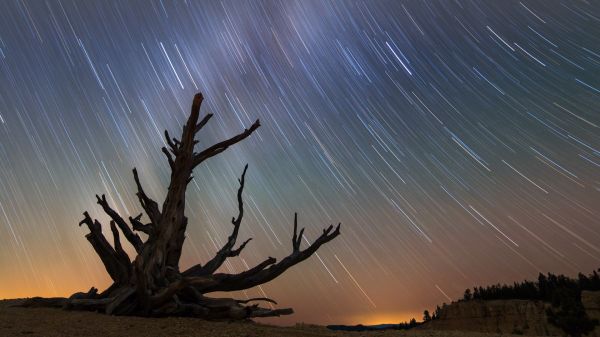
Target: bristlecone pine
[152, 284]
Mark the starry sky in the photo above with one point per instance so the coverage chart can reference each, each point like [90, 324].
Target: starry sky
[457, 142]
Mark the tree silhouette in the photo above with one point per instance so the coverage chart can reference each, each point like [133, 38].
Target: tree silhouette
[426, 316]
[467, 296]
[152, 284]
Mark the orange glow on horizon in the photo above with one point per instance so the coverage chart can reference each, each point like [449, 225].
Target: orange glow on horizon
[386, 318]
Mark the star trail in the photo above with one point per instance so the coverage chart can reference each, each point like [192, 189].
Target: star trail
[457, 142]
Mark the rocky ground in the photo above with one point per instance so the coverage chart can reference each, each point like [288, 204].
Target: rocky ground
[15, 321]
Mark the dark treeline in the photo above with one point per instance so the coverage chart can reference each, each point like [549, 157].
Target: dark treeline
[564, 294]
[379, 327]
[544, 289]
[408, 325]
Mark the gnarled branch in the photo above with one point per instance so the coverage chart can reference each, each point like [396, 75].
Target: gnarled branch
[265, 299]
[105, 251]
[238, 250]
[222, 146]
[137, 225]
[169, 157]
[189, 129]
[133, 238]
[261, 274]
[173, 143]
[149, 205]
[256, 311]
[202, 123]
[121, 254]
[227, 249]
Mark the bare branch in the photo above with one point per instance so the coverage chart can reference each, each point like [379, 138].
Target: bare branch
[260, 274]
[149, 205]
[202, 123]
[256, 311]
[222, 146]
[237, 251]
[121, 254]
[195, 111]
[172, 142]
[227, 249]
[189, 129]
[297, 239]
[169, 157]
[107, 254]
[137, 225]
[133, 238]
[250, 272]
[87, 220]
[266, 299]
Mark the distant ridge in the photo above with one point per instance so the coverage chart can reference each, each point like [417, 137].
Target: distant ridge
[360, 327]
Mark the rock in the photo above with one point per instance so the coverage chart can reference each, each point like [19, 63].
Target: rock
[591, 303]
[497, 316]
[508, 316]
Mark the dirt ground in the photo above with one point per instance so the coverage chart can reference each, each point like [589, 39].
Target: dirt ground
[15, 321]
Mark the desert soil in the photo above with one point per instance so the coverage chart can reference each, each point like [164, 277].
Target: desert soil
[15, 321]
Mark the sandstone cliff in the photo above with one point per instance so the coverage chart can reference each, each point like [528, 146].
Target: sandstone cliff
[591, 303]
[507, 316]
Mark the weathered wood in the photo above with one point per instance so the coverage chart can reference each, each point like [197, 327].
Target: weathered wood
[133, 238]
[268, 269]
[104, 250]
[122, 295]
[224, 145]
[42, 302]
[137, 225]
[227, 250]
[149, 205]
[151, 284]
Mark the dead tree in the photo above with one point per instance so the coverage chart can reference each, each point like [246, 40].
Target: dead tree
[152, 284]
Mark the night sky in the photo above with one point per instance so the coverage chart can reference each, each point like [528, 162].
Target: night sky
[458, 143]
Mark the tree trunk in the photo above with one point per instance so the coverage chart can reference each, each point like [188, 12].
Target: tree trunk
[153, 285]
